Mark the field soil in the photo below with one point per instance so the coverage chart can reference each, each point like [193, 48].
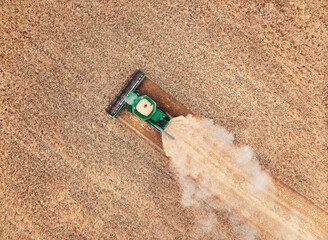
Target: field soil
[69, 171]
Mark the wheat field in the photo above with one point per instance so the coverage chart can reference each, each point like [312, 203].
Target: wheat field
[68, 171]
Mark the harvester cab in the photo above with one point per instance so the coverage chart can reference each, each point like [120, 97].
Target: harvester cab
[140, 105]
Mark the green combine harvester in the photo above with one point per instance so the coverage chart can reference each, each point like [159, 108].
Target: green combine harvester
[140, 105]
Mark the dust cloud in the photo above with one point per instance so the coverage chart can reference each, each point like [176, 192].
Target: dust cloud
[224, 185]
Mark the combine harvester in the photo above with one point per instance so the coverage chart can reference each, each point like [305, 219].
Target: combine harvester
[142, 97]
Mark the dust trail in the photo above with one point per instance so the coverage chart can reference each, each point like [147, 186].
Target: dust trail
[231, 196]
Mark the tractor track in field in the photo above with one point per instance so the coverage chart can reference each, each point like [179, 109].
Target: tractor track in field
[227, 178]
